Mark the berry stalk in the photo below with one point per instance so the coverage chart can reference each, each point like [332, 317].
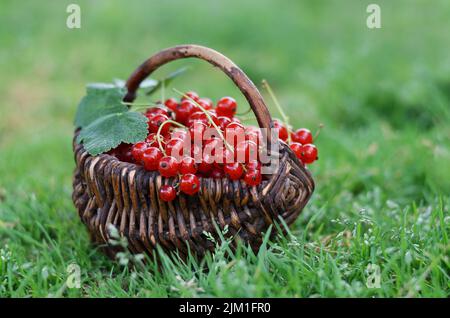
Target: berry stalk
[277, 104]
[158, 133]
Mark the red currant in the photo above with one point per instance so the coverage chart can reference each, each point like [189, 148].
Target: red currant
[191, 94]
[197, 131]
[197, 115]
[153, 111]
[223, 122]
[253, 134]
[247, 150]
[168, 166]
[189, 184]
[233, 170]
[184, 110]
[196, 152]
[206, 165]
[228, 156]
[171, 103]
[206, 103]
[167, 193]
[188, 165]
[174, 147]
[234, 133]
[151, 157]
[282, 130]
[179, 134]
[253, 165]
[309, 153]
[151, 138]
[138, 150]
[123, 152]
[253, 177]
[302, 136]
[156, 121]
[226, 106]
[297, 149]
[212, 145]
[216, 173]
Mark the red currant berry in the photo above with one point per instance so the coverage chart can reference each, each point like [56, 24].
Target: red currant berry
[174, 147]
[297, 149]
[168, 166]
[151, 139]
[302, 136]
[233, 170]
[156, 121]
[247, 150]
[123, 152]
[282, 130]
[216, 173]
[235, 126]
[234, 133]
[171, 103]
[153, 111]
[198, 114]
[213, 145]
[179, 134]
[253, 165]
[226, 106]
[223, 122]
[167, 193]
[151, 157]
[188, 165]
[253, 177]
[184, 110]
[197, 131]
[191, 94]
[206, 103]
[206, 165]
[196, 152]
[228, 155]
[189, 184]
[309, 153]
[138, 150]
[254, 135]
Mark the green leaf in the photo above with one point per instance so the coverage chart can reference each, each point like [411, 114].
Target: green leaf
[167, 80]
[107, 132]
[101, 99]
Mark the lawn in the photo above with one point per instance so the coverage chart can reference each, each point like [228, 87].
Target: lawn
[383, 178]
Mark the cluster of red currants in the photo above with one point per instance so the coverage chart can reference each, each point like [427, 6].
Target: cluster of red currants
[190, 138]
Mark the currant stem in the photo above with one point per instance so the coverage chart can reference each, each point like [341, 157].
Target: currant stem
[244, 113]
[316, 135]
[158, 133]
[277, 104]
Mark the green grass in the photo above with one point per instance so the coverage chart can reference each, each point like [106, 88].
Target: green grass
[383, 178]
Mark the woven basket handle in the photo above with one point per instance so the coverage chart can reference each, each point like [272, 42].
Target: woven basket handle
[241, 80]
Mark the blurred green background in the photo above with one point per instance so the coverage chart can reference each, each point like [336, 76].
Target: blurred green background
[382, 94]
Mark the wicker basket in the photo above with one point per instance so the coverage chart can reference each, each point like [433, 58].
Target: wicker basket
[108, 191]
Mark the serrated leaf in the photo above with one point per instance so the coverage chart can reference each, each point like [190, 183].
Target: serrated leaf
[101, 99]
[109, 131]
[167, 80]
